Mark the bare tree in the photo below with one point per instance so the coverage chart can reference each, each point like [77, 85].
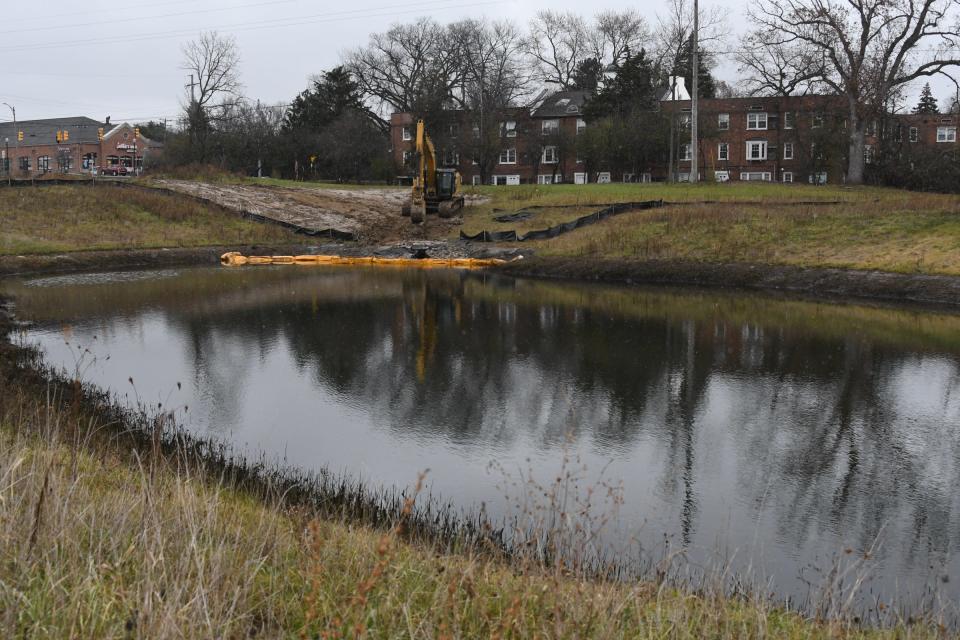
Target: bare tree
[213, 62]
[414, 67]
[871, 48]
[557, 43]
[617, 34]
[774, 67]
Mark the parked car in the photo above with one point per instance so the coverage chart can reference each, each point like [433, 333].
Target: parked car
[114, 170]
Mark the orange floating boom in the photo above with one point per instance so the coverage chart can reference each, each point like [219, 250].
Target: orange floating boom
[235, 259]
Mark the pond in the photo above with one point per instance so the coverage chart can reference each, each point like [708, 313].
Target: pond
[777, 438]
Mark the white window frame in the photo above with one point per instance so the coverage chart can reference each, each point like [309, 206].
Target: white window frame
[508, 128]
[817, 121]
[723, 121]
[788, 176]
[406, 157]
[549, 127]
[545, 178]
[868, 154]
[603, 177]
[819, 177]
[551, 152]
[580, 178]
[762, 147]
[723, 151]
[765, 176]
[946, 134]
[685, 152]
[451, 158]
[506, 154]
[475, 181]
[721, 176]
[406, 134]
[581, 125]
[754, 121]
[788, 151]
[788, 119]
[914, 134]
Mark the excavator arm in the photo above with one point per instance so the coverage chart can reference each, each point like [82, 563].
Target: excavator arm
[427, 192]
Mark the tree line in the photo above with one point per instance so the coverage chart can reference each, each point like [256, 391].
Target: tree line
[866, 53]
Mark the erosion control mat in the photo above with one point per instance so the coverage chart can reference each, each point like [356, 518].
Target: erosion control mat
[564, 227]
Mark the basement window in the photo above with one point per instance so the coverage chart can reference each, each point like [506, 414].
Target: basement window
[788, 176]
[755, 176]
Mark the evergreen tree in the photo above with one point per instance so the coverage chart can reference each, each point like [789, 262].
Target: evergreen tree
[927, 104]
[632, 90]
[330, 97]
[706, 84]
[588, 74]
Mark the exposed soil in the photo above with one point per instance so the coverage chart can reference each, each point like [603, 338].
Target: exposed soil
[368, 215]
[822, 283]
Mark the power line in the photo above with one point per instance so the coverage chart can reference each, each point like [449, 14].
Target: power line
[436, 5]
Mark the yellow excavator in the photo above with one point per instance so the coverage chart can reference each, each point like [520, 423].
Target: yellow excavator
[434, 190]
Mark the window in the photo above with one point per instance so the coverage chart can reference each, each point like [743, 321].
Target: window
[545, 179]
[475, 181]
[818, 178]
[406, 134]
[115, 160]
[508, 156]
[453, 130]
[756, 150]
[451, 158]
[549, 155]
[24, 164]
[562, 102]
[867, 153]
[508, 129]
[788, 119]
[685, 152]
[603, 177]
[406, 158]
[581, 125]
[914, 134]
[788, 151]
[723, 151]
[683, 176]
[476, 131]
[721, 176]
[43, 163]
[723, 121]
[871, 128]
[946, 134]
[898, 133]
[788, 176]
[757, 121]
[817, 121]
[683, 121]
[755, 176]
[550, 127]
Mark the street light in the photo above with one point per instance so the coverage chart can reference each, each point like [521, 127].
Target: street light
[14, 111]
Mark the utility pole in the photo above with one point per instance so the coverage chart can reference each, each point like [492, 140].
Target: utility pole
[694, 72]
[14, 111]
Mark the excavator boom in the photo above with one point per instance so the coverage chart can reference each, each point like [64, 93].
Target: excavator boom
[434, 190]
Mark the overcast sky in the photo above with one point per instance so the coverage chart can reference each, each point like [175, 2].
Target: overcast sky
[109, 57]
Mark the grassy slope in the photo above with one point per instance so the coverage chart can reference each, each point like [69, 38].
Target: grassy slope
[870, 228]
[72, 218]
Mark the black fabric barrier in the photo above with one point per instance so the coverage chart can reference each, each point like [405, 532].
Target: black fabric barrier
[564, 227]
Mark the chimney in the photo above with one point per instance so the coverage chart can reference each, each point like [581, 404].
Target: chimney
[679, 87]
[108, 121]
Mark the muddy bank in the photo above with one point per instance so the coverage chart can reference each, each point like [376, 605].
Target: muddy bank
[814, 282]
[181, 257]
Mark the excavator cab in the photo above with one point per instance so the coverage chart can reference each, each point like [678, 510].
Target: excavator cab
[434, 190]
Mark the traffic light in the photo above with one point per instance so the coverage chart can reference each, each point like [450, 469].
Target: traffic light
[136, 132]
[59, 136]
[66, 135]
[19, 136]
[100, 134]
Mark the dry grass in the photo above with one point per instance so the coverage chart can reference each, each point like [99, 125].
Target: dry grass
[864, 228]
[74, 218]
[100, 539]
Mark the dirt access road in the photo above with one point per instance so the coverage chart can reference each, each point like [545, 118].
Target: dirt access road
[370, 216]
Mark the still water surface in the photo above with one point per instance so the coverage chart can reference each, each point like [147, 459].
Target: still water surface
[770, 435]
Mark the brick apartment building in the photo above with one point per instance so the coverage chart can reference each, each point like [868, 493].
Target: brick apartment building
[79, 149]
[783, 139]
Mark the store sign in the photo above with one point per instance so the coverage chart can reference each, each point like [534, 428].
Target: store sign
[126, 147]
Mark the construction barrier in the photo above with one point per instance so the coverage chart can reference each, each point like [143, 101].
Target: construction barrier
[553, 232]
[235, 259]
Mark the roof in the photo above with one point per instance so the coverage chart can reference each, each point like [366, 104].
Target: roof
[82, 130]
[561, 103]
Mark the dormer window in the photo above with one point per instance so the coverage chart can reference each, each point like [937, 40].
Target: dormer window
[562, 102]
